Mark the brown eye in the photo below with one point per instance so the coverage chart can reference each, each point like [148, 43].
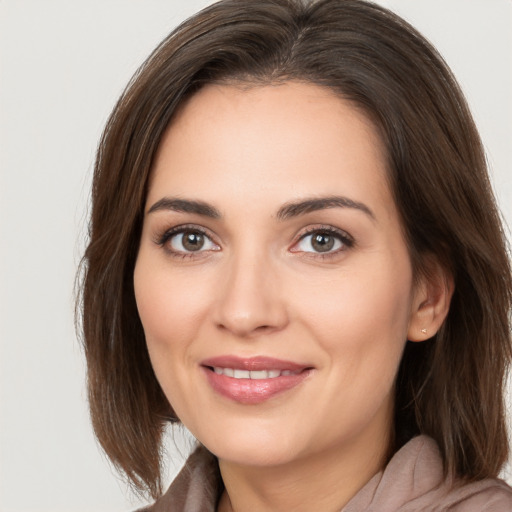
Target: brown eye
[322, 242]
[190, 241]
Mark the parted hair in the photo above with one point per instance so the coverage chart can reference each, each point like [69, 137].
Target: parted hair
[450, 387]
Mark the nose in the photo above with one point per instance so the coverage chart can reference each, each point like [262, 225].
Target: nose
[250, 301]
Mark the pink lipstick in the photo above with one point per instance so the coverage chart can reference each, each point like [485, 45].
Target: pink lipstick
[253, 380]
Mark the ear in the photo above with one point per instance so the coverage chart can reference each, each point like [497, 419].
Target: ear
[431, 302]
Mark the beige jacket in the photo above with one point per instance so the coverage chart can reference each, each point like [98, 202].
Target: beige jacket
[411, 482]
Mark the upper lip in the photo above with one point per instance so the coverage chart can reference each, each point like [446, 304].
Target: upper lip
[257, 363]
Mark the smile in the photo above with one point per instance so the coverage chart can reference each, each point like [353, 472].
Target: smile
[254, 374]
[252, 381]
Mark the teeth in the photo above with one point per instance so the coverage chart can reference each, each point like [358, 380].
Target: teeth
[255, 374]
[259, 374]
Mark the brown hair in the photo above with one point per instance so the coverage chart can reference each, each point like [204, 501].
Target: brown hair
[450, 387]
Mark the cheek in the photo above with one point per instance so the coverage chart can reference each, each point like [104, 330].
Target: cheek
[169, 306]
[359, 300]
[361, 325]
[169, 309]
[361, 319]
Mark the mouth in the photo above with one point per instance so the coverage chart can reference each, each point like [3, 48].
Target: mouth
[252, 374]
[253, 380]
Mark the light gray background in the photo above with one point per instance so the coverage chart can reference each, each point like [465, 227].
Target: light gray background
[62, 66]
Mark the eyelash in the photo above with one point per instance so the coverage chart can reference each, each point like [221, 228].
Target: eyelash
[166, 236]
[344, 238]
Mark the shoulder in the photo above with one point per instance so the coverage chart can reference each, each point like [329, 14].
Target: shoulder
[196, 488]
[414, 481]
[435, 493]
[485, 496]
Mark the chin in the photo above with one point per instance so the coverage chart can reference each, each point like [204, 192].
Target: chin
[256, 446]
[255, 454]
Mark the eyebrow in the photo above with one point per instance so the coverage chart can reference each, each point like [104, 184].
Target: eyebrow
[186, 206]
[295, 209]
[287, 211]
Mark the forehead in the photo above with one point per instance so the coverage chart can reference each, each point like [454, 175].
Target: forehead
[292, 139]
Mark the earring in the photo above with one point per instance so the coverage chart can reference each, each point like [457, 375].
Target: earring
[424, 331]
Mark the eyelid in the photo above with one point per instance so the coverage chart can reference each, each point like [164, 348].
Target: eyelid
[345, 238]
[347, 241]
[164, 236]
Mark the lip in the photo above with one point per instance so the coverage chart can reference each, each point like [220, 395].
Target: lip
[249, 391]
[254, 363]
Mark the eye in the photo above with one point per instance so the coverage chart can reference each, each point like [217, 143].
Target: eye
[187, 240]
[323, 241]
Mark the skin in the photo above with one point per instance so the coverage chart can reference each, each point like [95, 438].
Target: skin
[259, 287]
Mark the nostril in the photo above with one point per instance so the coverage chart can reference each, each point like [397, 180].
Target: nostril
[263, 328]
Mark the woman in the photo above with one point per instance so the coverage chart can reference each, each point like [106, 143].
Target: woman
[295, 251]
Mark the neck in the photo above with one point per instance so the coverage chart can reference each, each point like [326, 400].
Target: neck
[325, 481]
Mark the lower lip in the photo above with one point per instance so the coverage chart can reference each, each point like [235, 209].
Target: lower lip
[253, 391]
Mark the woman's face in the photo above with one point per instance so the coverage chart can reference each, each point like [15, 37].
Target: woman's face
[273, 281]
